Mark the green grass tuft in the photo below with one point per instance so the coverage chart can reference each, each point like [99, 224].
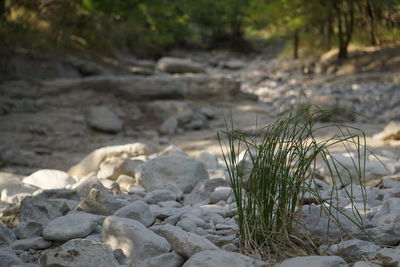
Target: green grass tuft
[272, 173]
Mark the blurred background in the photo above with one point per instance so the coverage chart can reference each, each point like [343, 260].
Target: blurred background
[76, 75]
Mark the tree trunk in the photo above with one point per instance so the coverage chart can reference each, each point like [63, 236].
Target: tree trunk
[2, 9]
[296, 44]
[372, 24]
[345, 30]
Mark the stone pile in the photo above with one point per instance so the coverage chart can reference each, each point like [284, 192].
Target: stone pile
[121, 206]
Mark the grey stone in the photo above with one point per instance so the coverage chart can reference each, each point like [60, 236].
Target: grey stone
[352, 250]
[80, 253]
[49, 179]
[42, 210]
[6, 236]
[220, 193]
[164, 109]
[202, 190]
[9, 258]
[179, 65]
[86, 184]
[389, 213]
[103, 119]
[156, 196]
[136, 241]
[314, 261]
[209, 160]
[184, 243]
[71, 226]
[101, 203]
[138, 210]
[28, 229]
[58, 193]
[31, 243]
[125, 182]
[176, 173]
[164, 212]
[169, 126]
[221, 258]
[13, 184]
[389, 256]
[168, 260]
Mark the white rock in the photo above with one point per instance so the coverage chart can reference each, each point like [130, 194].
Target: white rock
[91, 163]
[179, 65]
[391, 131]
[136, 241]
[221, 258]
[80, 253]
[184, 243]
[137, 210]
[125, 181]
[176, 173]
[314, 261]
[71, 226]
[103, 119]
[49, 179]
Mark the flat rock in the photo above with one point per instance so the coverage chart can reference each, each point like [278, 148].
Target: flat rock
[80, 253]
[91, 163]
[139, 211]
[31, 243]
[136, 241]
[314, 261]
[176, 173]
[184, 243]
[221, 258]
[49, 179]
[179, 65]
[102, 118]
[71, 226]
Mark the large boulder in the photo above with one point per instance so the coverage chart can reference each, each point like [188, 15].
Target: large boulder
[49, 179]
[136, 241]
[179, 65]
[103, 119]
[176, 173]
[184, 243]
[91, 163]
[221, 258]
[80, 253]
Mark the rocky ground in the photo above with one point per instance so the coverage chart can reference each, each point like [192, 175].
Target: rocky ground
[117, 162]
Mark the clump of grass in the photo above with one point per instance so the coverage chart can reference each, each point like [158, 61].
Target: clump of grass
[281, 170]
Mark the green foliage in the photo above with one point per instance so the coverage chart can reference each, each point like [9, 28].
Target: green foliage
[276, 173]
